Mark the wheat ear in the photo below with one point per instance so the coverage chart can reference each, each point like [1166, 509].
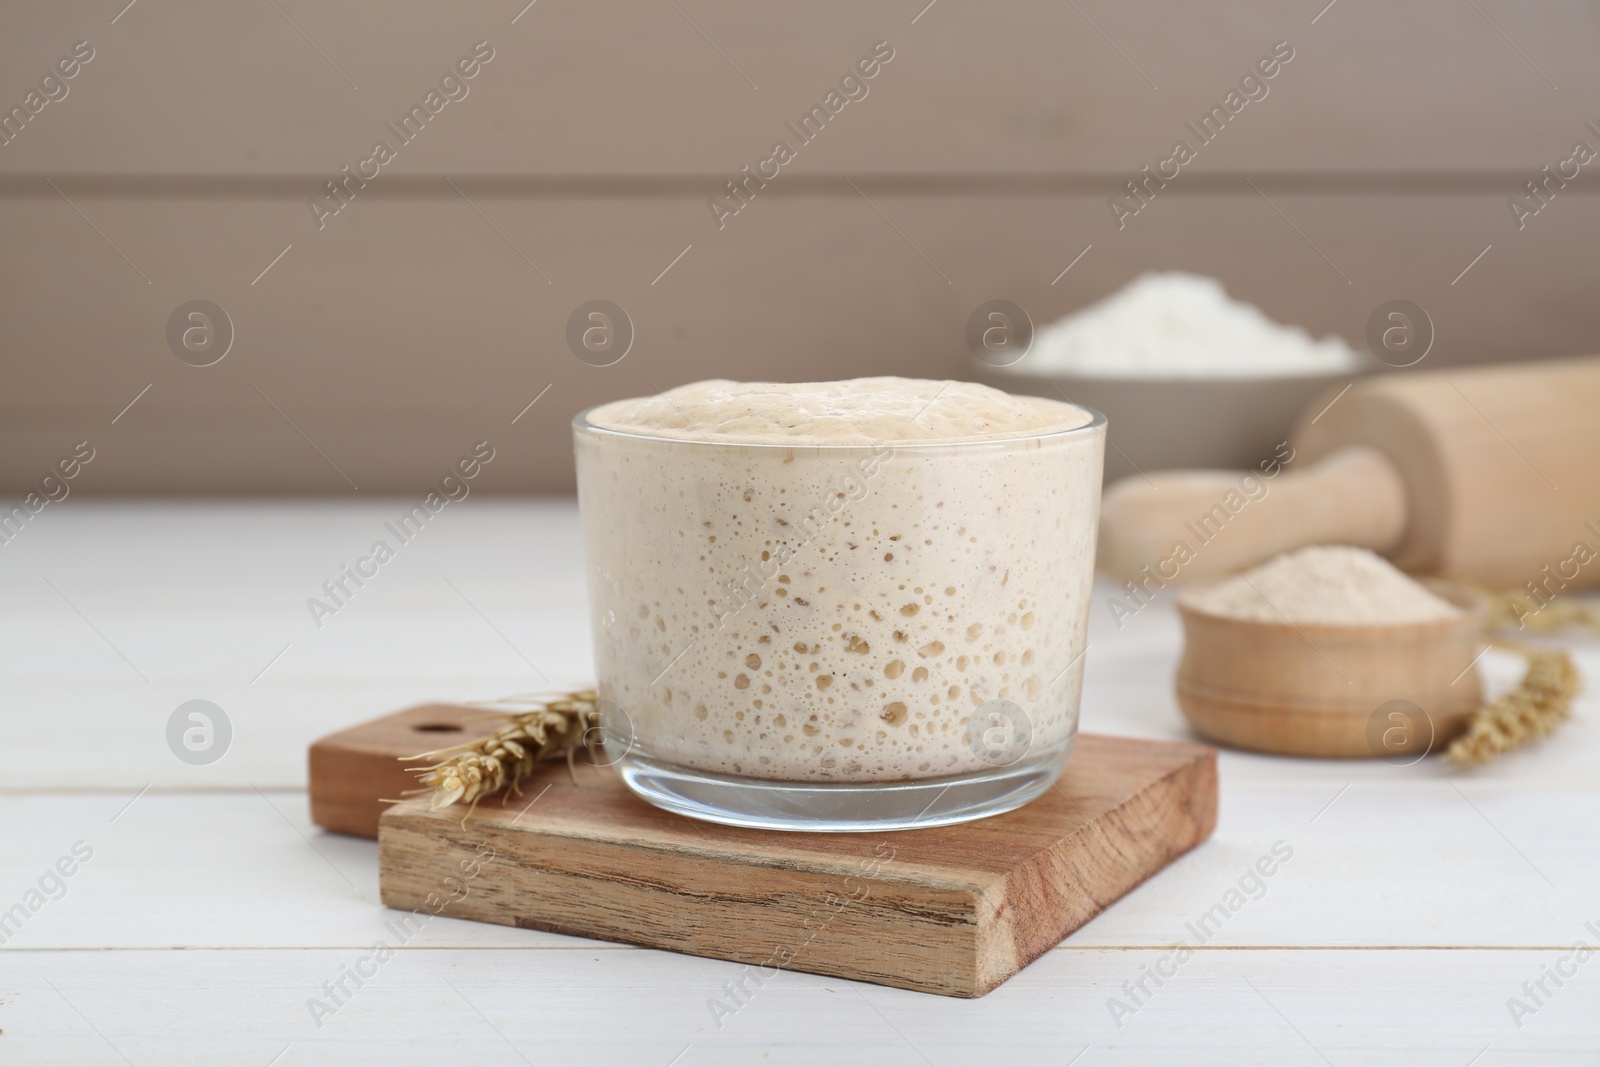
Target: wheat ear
[1532, 710]
[477, 769]
[1543, 701]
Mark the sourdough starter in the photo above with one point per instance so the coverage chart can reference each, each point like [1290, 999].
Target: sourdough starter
[824, 581]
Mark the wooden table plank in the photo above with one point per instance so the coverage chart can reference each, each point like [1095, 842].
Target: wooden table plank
[802, 278]
[1415, 1009]
[1030, 86]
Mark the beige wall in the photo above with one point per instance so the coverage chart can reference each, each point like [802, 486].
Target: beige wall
[413, 324]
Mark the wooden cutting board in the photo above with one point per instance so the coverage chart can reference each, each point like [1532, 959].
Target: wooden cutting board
[954, 910]
[352, 771]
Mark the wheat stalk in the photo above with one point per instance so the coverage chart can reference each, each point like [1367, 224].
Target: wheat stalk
[477, 769]
[1517, 611]
[1543, 700]
[1532, 710]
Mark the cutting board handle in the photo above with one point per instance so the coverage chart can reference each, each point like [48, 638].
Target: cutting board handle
[1184, 525]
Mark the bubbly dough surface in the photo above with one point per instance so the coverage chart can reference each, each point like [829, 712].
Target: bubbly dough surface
[855, 412]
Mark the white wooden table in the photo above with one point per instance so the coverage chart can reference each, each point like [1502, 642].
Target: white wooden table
[1417, 901]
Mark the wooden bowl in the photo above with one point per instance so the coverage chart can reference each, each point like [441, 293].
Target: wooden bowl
[1389, 692]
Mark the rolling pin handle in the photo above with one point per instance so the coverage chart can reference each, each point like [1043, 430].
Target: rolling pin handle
[1184, 525]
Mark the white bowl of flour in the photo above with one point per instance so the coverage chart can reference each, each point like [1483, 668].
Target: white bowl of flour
[1187, 376]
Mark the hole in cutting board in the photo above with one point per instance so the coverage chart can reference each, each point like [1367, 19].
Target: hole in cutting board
[437, 728]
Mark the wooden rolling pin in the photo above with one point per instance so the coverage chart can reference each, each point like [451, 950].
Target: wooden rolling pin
[1488, 475]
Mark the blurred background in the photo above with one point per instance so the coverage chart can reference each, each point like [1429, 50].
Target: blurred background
[364, 350]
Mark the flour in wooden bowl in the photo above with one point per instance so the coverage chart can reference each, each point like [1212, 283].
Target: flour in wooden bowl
[1327, 585]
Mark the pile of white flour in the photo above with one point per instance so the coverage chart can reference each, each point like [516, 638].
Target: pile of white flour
[1174, 325]
[1327, 584]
